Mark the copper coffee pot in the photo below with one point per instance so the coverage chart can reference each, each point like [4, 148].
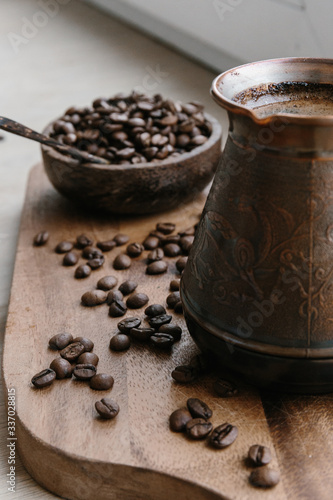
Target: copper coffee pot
[258, 287]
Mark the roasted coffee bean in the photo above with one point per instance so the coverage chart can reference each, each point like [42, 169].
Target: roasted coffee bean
[155, 255]
[128, 287]
[107, 283]
[223, 435]
[178, 420]
[137, 300]
[181, 263]
[135, 249]
[82, 271]
[224, 389]
[117, 308]
[90, 252]
[60, 341]
[171, 238]
[155, 310]
[96, 263]
[41, 238]
[158, 267]
[157, 321]
[142, 334]
[178, 308]
[101, 382]
[171, 329]
[172, 250]
[259, 455]
[159, 235]
[198, 408]
[174, 285]
[126, 325]
[198, 428]
[84, 372]
[94, 298]
[151, 242]
[184, 374]
[62, 368]
[183, 140]
[122, 261]
[88, 358]
[87, 343]
[64, 247]
[43, 378]
[113, 296]
[172, 299]
[165, 227]
[186, 243]
[70, 259]
[83, 241]
[121, 239]
[106, 246]
[72, 351]
[107, 408]
[162, 340]
[120, 342]
[264, 477]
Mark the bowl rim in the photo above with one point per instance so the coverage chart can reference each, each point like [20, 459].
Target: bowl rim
[214, 138]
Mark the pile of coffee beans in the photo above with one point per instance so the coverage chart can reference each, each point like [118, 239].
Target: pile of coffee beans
[133, 129]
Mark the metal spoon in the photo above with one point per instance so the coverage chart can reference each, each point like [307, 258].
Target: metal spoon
[18, 129]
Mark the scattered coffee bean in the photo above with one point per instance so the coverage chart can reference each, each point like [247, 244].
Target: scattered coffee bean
[165, 227]
[137, 300]
[122, 261]
[117, 308]
[113, 296]
[171, 329]
[135, 249]
[88, 358]
[178, 420]
[96, 263]
[82, 272]
[159, 235]
[120, 342]
[181, 263]
[264, 477]
[60, 341]
[101, 382]
[90, 252]
[162, 340]
[128, 287]
[157, 321]
[72, 351]
[126, 325]
[172, 250]
[84, 372]
[155, 255]
[70, 259]
[64, 247]
[172, 299]
[43, 378]
[155, 310]
[186, 243]
[106, 246]
[198, 428]
[151, 242]
[107, 408]
[178, 308]
[172, 238]
[62, 368]
[259, 455]
[41, 238]
[87, 343]
[158, 267]
[94, 298]
[107, 283]
[184, 374]
[174, 285]
[224, 389]
[198, 408]
[121, 239]
[223, 435]
[142, 334]
[83, 241]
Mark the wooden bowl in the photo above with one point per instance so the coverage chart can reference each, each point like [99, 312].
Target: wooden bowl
[135, 189]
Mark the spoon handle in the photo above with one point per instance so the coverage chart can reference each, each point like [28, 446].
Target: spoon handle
[18, 129]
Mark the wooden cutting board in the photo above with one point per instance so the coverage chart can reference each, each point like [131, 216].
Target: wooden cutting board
[74, 454]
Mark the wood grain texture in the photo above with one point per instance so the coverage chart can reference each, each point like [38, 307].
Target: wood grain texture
[62, 443]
